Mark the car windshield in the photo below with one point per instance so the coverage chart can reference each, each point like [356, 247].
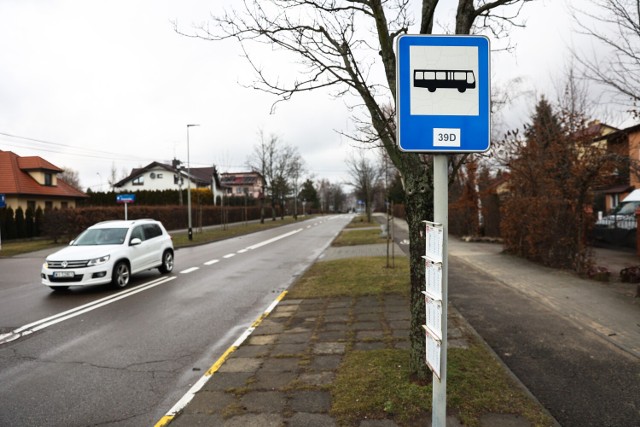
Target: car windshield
[101, 236]
[628, 208]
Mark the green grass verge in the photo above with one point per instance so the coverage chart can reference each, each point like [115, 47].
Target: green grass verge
[180, 239]
[358, 237]
[375, 385]
[16, 248]
[353, 277]
[360, 221]
[233, 230]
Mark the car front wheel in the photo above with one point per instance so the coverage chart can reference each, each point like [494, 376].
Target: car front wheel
[121, 274]
[167, 262]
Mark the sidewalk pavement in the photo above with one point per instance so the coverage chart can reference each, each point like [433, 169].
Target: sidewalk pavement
[278, 375]
[607, 308]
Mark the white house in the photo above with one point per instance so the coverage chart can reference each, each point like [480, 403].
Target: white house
[160, 176]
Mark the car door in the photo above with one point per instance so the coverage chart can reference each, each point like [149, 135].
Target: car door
[153, 242]
[139, 256]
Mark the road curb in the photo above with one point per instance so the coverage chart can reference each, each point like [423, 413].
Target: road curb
[184, 401]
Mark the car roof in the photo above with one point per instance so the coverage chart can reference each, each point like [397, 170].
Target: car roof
[634, 196]
[122, 223]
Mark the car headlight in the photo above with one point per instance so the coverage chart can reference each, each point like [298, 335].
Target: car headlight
[98, 261]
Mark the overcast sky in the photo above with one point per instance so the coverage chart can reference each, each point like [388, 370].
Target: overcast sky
[95, 84]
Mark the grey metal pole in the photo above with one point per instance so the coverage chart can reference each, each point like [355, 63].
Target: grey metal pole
[190, 230]
[441, 216]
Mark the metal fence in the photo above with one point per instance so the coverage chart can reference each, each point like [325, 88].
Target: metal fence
[616, 231]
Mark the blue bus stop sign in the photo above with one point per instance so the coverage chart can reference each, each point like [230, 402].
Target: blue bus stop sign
[3, 202]
[443, 93]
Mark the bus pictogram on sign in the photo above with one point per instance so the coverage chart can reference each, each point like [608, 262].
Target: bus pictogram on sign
[444, 79]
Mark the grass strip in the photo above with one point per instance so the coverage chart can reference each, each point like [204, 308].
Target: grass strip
[207, 235]
[180, 239]
[359, 237]
[353, 277]
[375, 385]
[21, 247]
[360, 221]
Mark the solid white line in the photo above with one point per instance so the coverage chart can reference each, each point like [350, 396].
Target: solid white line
[213, 261]
[275, 239]
[82, 307]
[229, 256]
[69, 314]
[189, 270]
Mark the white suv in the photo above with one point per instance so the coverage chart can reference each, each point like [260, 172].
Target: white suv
[110, 252]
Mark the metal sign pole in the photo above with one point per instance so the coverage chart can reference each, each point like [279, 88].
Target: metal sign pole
[441, 216]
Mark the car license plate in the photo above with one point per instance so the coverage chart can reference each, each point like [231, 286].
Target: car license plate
[60, 274]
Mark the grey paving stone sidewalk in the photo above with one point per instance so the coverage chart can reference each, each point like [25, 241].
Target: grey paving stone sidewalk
[281, 375]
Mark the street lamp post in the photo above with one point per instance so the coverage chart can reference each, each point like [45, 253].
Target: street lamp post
[190, 230]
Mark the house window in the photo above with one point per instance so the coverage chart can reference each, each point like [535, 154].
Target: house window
[64, 205]
[138, 181]
[48, 205]
[31, 204]
[159, 176]
[48, 179]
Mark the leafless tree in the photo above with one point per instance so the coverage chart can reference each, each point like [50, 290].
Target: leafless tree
[364, 178]
[71, 177]
[297, 169]
[262, 160]
[339, 45]
[614, 62]
[281, 166]
[287, 168]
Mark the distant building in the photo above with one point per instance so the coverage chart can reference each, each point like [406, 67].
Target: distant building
[33, 182]
[237, 184]
[160, 176]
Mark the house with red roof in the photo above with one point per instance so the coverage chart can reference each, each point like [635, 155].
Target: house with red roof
[33, 182]
[239, 184]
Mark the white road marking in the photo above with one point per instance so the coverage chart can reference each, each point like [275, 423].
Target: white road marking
[69, 314]
[213, 261]
[229, 256]
[189, 270]
[184, 401]
[275, 239]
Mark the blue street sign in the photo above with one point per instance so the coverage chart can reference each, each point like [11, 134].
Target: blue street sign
[3, 202]
[443, 93]
[125, 198]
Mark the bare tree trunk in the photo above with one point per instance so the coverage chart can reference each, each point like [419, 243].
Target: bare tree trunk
[419, 207]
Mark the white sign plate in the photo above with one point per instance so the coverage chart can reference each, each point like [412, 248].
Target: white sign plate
[443, 92]
[434, 350]
[434, 236]
[433, 276]
[434, 317]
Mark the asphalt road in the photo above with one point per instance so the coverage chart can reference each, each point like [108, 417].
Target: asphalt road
[579, 377]
[130, 358]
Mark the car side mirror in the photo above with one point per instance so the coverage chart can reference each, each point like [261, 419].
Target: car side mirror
[71, 243]
[135, 241]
